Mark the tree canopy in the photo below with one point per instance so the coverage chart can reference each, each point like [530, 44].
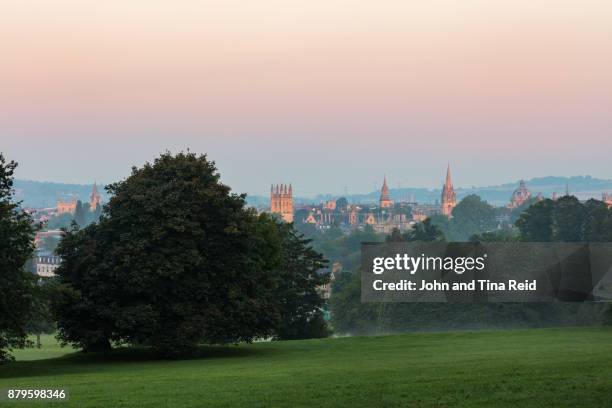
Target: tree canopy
[301, 276]
[471, 216]
[177, 259]
[16, 247]
[566, 220]
[425, 231]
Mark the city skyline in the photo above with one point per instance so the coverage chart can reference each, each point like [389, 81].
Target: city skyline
[581, 186]
[308, 93]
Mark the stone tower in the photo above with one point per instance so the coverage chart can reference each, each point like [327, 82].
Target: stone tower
[281, 201]
[449, 199]
[385, 201]
[94, 199]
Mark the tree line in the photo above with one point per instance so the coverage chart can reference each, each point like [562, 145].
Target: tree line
[563, 220]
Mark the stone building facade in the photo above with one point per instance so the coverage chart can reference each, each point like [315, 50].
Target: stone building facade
[281, 201]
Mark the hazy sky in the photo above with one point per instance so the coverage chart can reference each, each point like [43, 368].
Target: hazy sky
[325, 94]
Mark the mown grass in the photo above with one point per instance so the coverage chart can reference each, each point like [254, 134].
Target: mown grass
[533, 368]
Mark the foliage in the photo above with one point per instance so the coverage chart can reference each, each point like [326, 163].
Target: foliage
[515, 213]
[16, 247]
[425, 231]
[566, 220]
[49, 243]
[470, 217]
[348, 314]
[301, 305]
[596, 226]
[535, 224]
[41, 319]
[175, 259]
[344, 248]
[342, 204]
[502, 235]
[568, 215]
[351, 316]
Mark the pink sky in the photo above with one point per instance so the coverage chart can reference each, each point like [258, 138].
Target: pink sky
[324, 94]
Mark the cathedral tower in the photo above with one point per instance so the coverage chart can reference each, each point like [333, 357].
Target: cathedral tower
[281, 201]
[94, 199]
[449, 199]
[385, 201]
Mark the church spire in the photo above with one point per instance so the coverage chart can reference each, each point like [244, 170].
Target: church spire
[94, 199]
[449, 199]
[385, 199]
[448, 183]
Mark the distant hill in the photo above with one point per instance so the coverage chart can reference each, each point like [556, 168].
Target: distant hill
[44, 194]
[583, 187]
[38, 194]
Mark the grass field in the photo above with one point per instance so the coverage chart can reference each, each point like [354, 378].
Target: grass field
[537, 368]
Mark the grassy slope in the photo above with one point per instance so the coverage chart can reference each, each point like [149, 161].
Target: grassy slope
[551, 367]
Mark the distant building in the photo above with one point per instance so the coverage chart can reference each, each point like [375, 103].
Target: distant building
[385, 200]
[281, 201]
[383, 218]
[66, 207]
[520, 195]
[418, 216]
[46, 265]
[330, 205]
[353, 215]
[449, 199]
[95, 200]
[607, 198]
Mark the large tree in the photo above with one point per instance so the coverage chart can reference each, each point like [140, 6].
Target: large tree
[80, 214]
[175, 260]
[471, 216]
[568, 218]
[536, 222]
[597, 222]
[16, 246]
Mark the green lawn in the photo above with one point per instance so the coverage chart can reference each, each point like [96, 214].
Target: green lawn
[538, 368]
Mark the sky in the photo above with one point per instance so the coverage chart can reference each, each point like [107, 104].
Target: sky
[327, 95]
